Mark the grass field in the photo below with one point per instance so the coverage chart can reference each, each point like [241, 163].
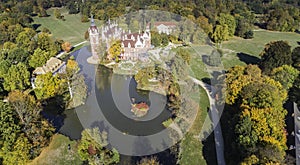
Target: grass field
[251, 48]
[191, 147]
[58, 153]
[71, 30]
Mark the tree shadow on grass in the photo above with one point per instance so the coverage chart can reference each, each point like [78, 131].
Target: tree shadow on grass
[36, 26]
[248, 59]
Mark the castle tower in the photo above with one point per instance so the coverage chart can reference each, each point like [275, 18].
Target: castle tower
[94, 38]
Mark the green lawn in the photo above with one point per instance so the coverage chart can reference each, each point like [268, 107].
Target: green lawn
[191, 146]
[198, 68]
[71, 30]
[253, 47]
[58, 153]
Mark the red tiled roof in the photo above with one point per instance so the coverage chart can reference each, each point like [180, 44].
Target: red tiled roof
[165, 23]
[142, 105]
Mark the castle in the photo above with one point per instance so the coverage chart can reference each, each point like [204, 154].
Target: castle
[134, 45]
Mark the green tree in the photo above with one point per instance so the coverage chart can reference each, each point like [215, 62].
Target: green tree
[275, 54]
[57, 14]
[9, 131]
[229, 20]
[296, 58]
[17, 77]
[286, 75]
[25, 39]
[184, 54]
[220, 34]
[156, 39]
[4, 66]
[19, 153]
[214, 58]
[46, 43]
[295, 91]
[39, 58]
[92, 147]
[17, 55]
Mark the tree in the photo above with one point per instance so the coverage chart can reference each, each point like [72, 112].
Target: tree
[148, 161]
[281, 20]
[66, 46]
[39, 58]
[37, 130]
[48, 85]
[92, 147]
[25, 39]
[257, 102]
[220, 34]
[286, 75]
[275, 54]
[17, 55]
[46, 43]
[214, 58]
[19, 153]
[17, 77]
[115, 50]
[9, 130]
[184, 54]
[57, 14]
[244, 28]
[296, 58]
[76, 84]
[294, 92]
[25, 106]
[155, 39]
[4, 66]
[202, 21]
[229, 20]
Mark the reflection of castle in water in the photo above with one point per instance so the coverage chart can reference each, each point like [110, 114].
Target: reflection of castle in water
[134, 45]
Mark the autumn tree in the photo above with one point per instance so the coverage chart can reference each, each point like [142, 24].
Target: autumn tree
[204, 24]
[275, 54]
[115, 50]
[48, 85]
[36, 129]
[93, 148]
[76, 84]
[66, 46]
[258, 104]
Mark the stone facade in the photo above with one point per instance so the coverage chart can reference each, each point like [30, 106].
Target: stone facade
[94, 39]
[134, 45]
